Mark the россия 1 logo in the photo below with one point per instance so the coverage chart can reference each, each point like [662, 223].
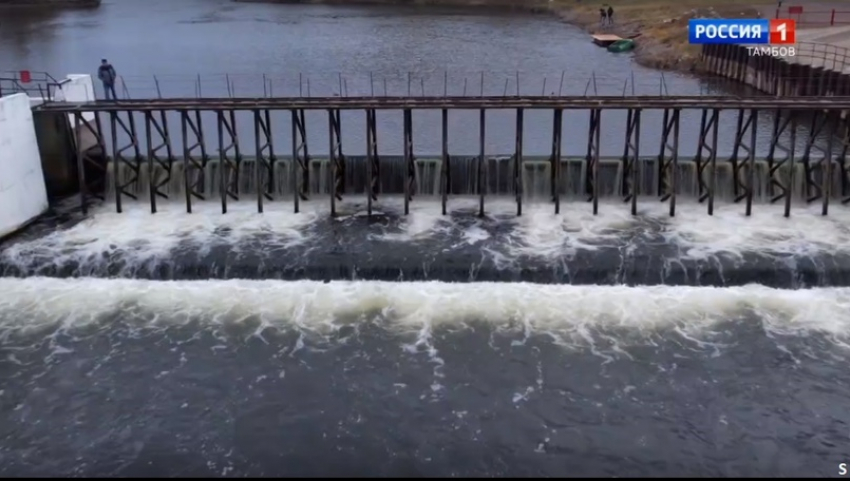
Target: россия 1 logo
[778, 36]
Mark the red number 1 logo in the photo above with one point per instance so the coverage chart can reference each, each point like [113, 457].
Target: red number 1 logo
[783, 32]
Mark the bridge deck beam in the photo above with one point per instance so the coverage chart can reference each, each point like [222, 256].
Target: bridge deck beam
[471, 103]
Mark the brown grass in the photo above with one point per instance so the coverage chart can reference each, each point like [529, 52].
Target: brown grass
[662, 24]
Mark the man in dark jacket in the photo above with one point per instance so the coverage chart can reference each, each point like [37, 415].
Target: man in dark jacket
[610, 15]
[106, 74]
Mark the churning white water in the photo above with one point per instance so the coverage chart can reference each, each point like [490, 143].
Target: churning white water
[570, 314]
[539, 233]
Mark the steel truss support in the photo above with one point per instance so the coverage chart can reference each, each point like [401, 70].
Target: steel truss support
[518, 161]
[264, 167]
[744, 171]
[229, 156]
[668, 159]
[91, 156]
[481, 177]
[195, 156]
[158, 139]
[337, 159]
[707, 157]
[631, 160]
[373, 164]
[778, 188]
[445, 163]
[557, 130]
[409, 160]
[591, 175]
[300, 159]
[121, 158]
[813, 189]
[843, 162]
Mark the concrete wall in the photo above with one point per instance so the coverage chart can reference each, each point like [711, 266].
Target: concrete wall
[57, 140]
[23, 195]
[773, 75]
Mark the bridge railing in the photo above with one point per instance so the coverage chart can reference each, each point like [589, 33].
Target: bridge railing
[828, 56]
[816, 17]
[402, 84]
[34, 84]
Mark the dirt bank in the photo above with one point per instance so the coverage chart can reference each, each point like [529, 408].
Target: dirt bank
[49, 3]
[540, 6]
[661, 24]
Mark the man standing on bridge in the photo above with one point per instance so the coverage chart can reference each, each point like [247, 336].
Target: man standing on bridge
[106, 74]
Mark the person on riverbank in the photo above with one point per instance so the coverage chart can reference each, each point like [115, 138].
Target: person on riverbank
[603, 18]
[106, 74]
[610, 15]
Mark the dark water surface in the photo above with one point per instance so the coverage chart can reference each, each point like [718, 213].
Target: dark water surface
[199, 47]
[212, 378]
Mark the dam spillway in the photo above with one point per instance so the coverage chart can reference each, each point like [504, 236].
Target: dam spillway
[158, 147]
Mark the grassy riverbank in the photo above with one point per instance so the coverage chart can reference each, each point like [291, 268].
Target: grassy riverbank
[662, 24]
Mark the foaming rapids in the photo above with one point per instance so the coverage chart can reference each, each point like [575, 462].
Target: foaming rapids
[573, 247]
[569, 313]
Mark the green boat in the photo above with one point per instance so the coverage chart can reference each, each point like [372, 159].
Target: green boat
[623, 45]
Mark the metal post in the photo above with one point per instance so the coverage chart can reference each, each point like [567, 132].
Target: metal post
[120, 159]
[743, 173]
[372, 163]
[668, 159]
[152, 185]
[337, 160]
[300, 159]
[706, 157]
[813, 189]
[194, 168]
[557, 130]
[264, 168]
[631, 159]
[81, 167]
[93, 156]
[410, 162]
[158, 139]
[826, 181]
[592, 173]
[518, 160]
[480, 177]
[775, 166]
[332, 162]
[445, 178]
[230, 157]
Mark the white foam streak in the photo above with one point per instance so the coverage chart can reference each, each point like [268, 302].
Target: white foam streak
[33, 303]
[143, 236]
[766, 231]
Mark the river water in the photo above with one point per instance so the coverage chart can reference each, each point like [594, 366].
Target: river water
[283, 344]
